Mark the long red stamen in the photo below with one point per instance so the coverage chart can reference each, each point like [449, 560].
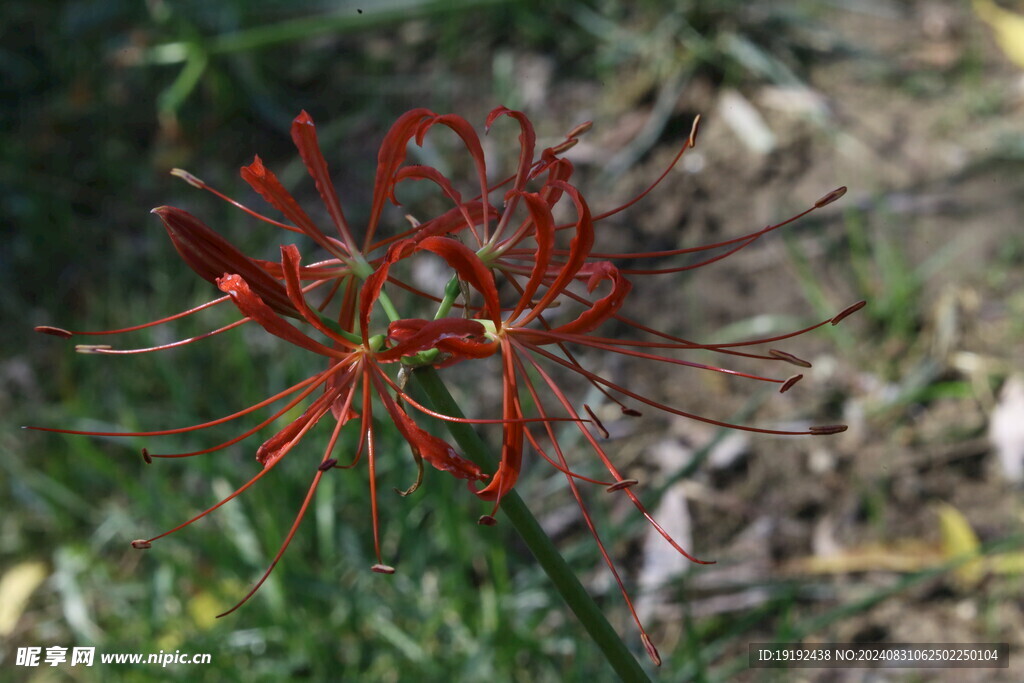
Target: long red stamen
[61, 332]
[584, 340]
[319, 380]
[284, 546]
[181, 430]
[106, 350]
[669, 409]
[586, 513]
[196, 182]
[609, 465]
[371, 458]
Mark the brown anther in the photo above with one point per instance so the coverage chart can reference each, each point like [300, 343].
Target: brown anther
[55, 331]
[652, 651]
[692, 142]
[830, 197]
[631, 412]
[188, 178]
[622, 484]
[327, 464]
[849, 310]
[821, 430]
[597, 422]
[789, 358]
[564, 146]
[382, 569]
[141, 544]
[146, 456]
[788, 384]
[580, 129]
[92, 348]
[486, 520]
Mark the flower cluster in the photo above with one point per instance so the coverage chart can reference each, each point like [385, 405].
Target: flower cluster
[526, 287]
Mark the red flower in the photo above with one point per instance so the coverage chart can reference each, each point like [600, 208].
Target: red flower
[524, 254]
[519, 248]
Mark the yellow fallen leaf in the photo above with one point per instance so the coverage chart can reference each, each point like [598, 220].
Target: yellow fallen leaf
[905, 556]
[958, 541]
[1008, 27]
[1007, 563]
[16, 586]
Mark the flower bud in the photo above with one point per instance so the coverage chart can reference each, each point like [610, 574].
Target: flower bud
[211, 256]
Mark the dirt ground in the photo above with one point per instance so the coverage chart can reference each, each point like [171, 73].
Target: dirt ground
[929, 142]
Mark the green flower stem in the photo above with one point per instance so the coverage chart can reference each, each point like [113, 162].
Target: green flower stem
[572, 591]
[451, 293]
[389, 308]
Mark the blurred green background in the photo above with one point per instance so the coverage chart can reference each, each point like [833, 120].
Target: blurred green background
[916, 106]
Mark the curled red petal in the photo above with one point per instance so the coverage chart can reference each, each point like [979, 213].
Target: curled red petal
[420, 172]
[470, 268]
[277, 446]
[544, 235]
[603, 308]
[470, 139]
[512, 440]
[434, 450]
[446, 334]
[211, 256]
[290, 269]
[389, 158]
[252, 306]
[527, 142]
[304, 136]
[370, 291]
[579, 249]
[263, 180]
[454, 220]
[438, 178]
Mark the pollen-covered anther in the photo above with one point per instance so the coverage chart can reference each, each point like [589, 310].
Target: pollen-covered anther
[92, 348]
[830, 197]
[622, 484]
[188, 178]
[141, 544]
[486, 520]
[327, 464]
[146, 456]
[55, 331]
[788, 384]
[580, 129]
[597, 423]
[789, 358]
[822, 430]
[382, 569]
[564, 146]
[692, 141]
[652, 651]
[849, 310]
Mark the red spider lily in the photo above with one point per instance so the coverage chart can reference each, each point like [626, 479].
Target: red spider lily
[542, 275]
[268, 292]
[353, 376]
[519, 247]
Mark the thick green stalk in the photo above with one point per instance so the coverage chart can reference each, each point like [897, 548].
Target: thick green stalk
[572, 591]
